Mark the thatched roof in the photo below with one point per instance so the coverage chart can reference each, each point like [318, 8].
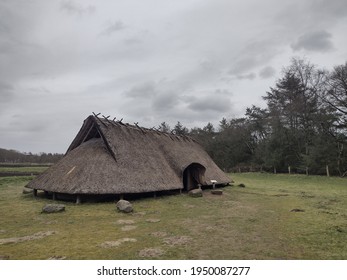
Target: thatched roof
[108, 157]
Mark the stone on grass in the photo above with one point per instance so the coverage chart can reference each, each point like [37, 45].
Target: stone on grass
[195, 193]
[217, 192]
[297, 210]
[153, 220]
[53, 208]
[124, 206]
[27, 191]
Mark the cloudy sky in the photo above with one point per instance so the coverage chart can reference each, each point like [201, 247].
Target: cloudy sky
[150, 61]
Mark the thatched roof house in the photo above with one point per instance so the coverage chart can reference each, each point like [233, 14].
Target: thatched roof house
[110, 157]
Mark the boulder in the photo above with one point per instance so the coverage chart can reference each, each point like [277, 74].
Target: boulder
[53, 208]
[27, 190]
[217, 192]
[195, 193]
[124, 206]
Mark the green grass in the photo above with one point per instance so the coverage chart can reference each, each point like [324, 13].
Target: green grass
[19, 169]
[254, 222]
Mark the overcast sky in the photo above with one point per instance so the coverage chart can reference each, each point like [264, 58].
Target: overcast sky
[149, 61]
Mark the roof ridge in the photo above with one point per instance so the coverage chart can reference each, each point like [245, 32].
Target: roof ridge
[105, 121]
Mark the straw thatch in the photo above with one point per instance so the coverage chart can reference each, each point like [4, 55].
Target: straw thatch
[108, 157]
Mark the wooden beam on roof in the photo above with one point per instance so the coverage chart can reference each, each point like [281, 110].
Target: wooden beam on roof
[107, 144]
[87, 134]
[110, 122]
[120, 121]
[96, 115]
[137, 125]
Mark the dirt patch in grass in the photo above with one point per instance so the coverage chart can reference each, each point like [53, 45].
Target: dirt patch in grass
[140, 213]
[159, 234]
[125, 222]
[128, 228]
[327, 203]
[151, 253]
[116, 243]
[188, 206]
[57, 258]
[153, 220]
[306, 195]
[177, 240]
[35, 236]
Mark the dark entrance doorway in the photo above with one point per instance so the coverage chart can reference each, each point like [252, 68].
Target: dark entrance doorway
[193, 175]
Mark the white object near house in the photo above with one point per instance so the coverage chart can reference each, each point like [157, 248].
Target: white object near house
[214, 183]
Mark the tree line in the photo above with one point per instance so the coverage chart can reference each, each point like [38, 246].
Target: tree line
[13, 156]
[302, 129]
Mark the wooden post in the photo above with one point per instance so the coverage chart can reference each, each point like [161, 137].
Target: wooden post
[78, 199]
[35, 192]
[275, 171]
[239, 169]
[54, 196]
[327, 169]
[306, 170]
[155, 194]
[121, 196]
[289, 169]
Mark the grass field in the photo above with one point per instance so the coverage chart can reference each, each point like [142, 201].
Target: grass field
[21, 169]
[272, 217]
[24, 169]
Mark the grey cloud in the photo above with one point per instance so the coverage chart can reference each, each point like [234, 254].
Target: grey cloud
[165, 100]
[225, 92]
[267, 72]
[330, 8]
[319, 41]
[10, 30]
[132, 41]
[159, 96]
[210, 103]
[143, 91]
[6, 94]
[249, 76]
[242, 65]
[254, 55]
[27, 124]
[5, 87]
[74, 8]
[112, 27]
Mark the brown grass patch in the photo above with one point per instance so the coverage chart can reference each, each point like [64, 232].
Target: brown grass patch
[116, 243]
[35, 236]
[153, 220]
[128, 228]
[151, 253]
[159, 234]
[177, 240]
[57, 258]
[125, 222]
